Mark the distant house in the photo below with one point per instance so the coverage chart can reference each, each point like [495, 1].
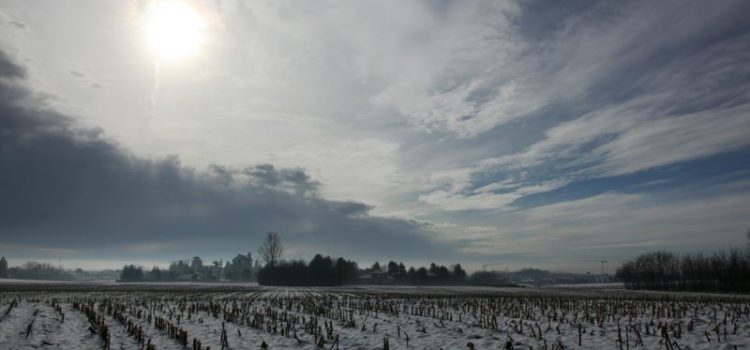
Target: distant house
[193, 276]
[185, 277]
[375, 278]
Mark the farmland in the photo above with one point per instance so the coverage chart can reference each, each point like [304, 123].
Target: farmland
[236, 316]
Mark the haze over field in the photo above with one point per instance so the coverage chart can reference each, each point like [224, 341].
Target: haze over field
[527, 133]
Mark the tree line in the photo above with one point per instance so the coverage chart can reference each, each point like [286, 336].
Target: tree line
[434, 274]
[325, 271]
[320, 271]
[240, 268]
[724, 271]
[33, 270]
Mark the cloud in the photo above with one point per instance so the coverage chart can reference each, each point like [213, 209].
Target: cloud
[602, 225]
[67, 187]
[632, 96]
[633, 137]
[476, 115]
[456, 201]
[8, 69]
[484, 64]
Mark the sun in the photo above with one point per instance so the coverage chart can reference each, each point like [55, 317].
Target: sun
[174, 30]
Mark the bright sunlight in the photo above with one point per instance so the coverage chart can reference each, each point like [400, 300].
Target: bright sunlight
[174, 30]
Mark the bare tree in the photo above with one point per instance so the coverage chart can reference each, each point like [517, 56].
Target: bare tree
[271, 249]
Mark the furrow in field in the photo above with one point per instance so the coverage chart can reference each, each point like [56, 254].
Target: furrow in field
[15, 325]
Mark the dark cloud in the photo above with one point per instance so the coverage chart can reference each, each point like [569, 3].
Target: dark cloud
[18, 24]
[297, 179]
[351, 208]
[540, 18]
[8, 69]
[62, 186]
[76, 74]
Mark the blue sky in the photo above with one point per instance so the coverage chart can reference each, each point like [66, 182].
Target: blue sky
[533, 133]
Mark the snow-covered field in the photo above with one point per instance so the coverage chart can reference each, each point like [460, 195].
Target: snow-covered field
[167, 316]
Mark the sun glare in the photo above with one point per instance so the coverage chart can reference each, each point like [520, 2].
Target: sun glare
[174, 30]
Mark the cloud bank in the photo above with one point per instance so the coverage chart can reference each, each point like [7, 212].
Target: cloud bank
[69, 188]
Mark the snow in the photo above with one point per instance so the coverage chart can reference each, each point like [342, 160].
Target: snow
[48, 330]
[20, 281]
[433, 317]
[589, 285]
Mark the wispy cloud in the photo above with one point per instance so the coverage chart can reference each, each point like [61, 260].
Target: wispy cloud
[650, 98]
[601, 225]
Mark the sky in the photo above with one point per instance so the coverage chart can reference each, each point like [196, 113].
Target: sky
[518, 133]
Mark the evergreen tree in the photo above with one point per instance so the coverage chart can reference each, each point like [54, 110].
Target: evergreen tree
[392, 268]
[131, 273]
[197, 264]
[459, 274]
[3, 268]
